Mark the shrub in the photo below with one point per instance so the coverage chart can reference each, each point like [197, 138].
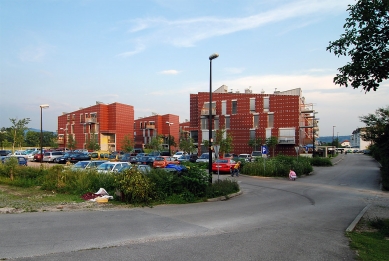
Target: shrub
[318, 161]
[222, 188]
[135, 186]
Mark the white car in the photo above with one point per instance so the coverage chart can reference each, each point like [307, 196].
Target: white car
[110, 167]
[246, 157]
[178, 154]
[205, 157]
[52, 155]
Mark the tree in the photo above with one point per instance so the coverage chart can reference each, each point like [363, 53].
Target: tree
[255, 142]
[17, 130]
[366, 41]
[127, 144]
[71, 142]
[92, 142]
[187, 145]
[155, 143]
[272, 143]
[32, 139]
[224, 143]
[377, 131]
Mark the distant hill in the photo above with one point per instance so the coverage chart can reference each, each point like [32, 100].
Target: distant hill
[38, 130]
[327, 139]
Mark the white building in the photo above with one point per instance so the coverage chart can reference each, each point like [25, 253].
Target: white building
[356, 139]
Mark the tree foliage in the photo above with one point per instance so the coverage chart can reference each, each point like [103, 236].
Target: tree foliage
[127, 144]
[377, 131]
[272, 143]
[92, 142]
[187, 145]
[17, 131]
[365, 40]
[224, 141]
[254, 143]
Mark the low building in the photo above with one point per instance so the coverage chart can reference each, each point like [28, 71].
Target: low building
[106, 124]
[356, 140]
[252, 116]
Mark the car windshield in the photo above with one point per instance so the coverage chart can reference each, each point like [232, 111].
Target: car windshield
[80, 165]
[221, 161]
[204, 156]
[105, 166]
[159, 159]
[256, 153]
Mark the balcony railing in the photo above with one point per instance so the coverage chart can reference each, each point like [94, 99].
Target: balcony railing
[111, 140]
[90, 120]
[205, 112]
[149, 126]
[286, 140]
[60, 141]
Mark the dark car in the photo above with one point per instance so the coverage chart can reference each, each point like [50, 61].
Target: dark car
[5, 152]
[146, 160]
[193, 158]
[22, 161]
[78, 157]
[65, 158]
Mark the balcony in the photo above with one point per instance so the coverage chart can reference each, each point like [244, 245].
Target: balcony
[286, 140]
[60, 141]
[111, 140]
[205, 112]
[150, 127]
[91, 120]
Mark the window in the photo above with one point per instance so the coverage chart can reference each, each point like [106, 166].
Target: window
[72, 128]
[266, 103]
[204, 123]
[81, 117]
[252, 134]
[252, 104]
[270, 120]
[224, 107]
[84, 128]
[268, 133]
[234, 106]
[256, 121]
[227, 121]
[141, 125]
[73, 117]
[68, 117]
[216, 123]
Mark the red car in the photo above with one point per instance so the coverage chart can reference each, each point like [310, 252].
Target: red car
[162, 161]
[223, 165]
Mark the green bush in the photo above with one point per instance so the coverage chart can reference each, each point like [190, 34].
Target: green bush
[222, 188]
[318, 161]
[278, 166]
[135, 187]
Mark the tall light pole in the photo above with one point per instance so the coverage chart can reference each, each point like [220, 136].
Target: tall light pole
[333, 128]
[211, 57]
[42, 106]
[169, 123]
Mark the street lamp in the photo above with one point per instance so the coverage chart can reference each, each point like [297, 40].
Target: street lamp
[43, 106]
[333, 128]
[170, 123]
[211, 57]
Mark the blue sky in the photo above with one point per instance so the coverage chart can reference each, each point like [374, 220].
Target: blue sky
[154, 54]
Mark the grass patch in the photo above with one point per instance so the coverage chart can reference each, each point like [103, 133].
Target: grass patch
[371, 245]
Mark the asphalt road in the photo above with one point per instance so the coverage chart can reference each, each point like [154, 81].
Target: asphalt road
[273, 219]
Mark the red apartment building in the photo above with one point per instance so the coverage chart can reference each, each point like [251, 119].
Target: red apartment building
[150, 127]
[108, 123]
[250, 116]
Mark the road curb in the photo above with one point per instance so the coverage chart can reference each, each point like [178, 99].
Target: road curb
[222, 198]
[351, 227]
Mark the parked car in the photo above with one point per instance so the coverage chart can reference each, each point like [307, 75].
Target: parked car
[244, 157]
[146, 160]
[193, 158]
[184, 158]
[204, 157]
[5, 152]
[76, 157]
[162, 161]
[110, 167]
[223, 165]
[115, 157]
[50, 156]
[142, 168]
[178, 154]
[22, 161]
[87, 164]
[65, 158]
[256, 154]
[99, 155]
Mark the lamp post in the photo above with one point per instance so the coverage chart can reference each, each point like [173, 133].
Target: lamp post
[211, 57]
[333, 128]
[42, 106]
[169, 137]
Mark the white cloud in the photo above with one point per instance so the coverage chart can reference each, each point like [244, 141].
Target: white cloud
[186, 33]
[169, 72]
[234, 70]
[32, 54]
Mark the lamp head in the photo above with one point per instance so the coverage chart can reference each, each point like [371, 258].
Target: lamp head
[43, 106]
[213, 56]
